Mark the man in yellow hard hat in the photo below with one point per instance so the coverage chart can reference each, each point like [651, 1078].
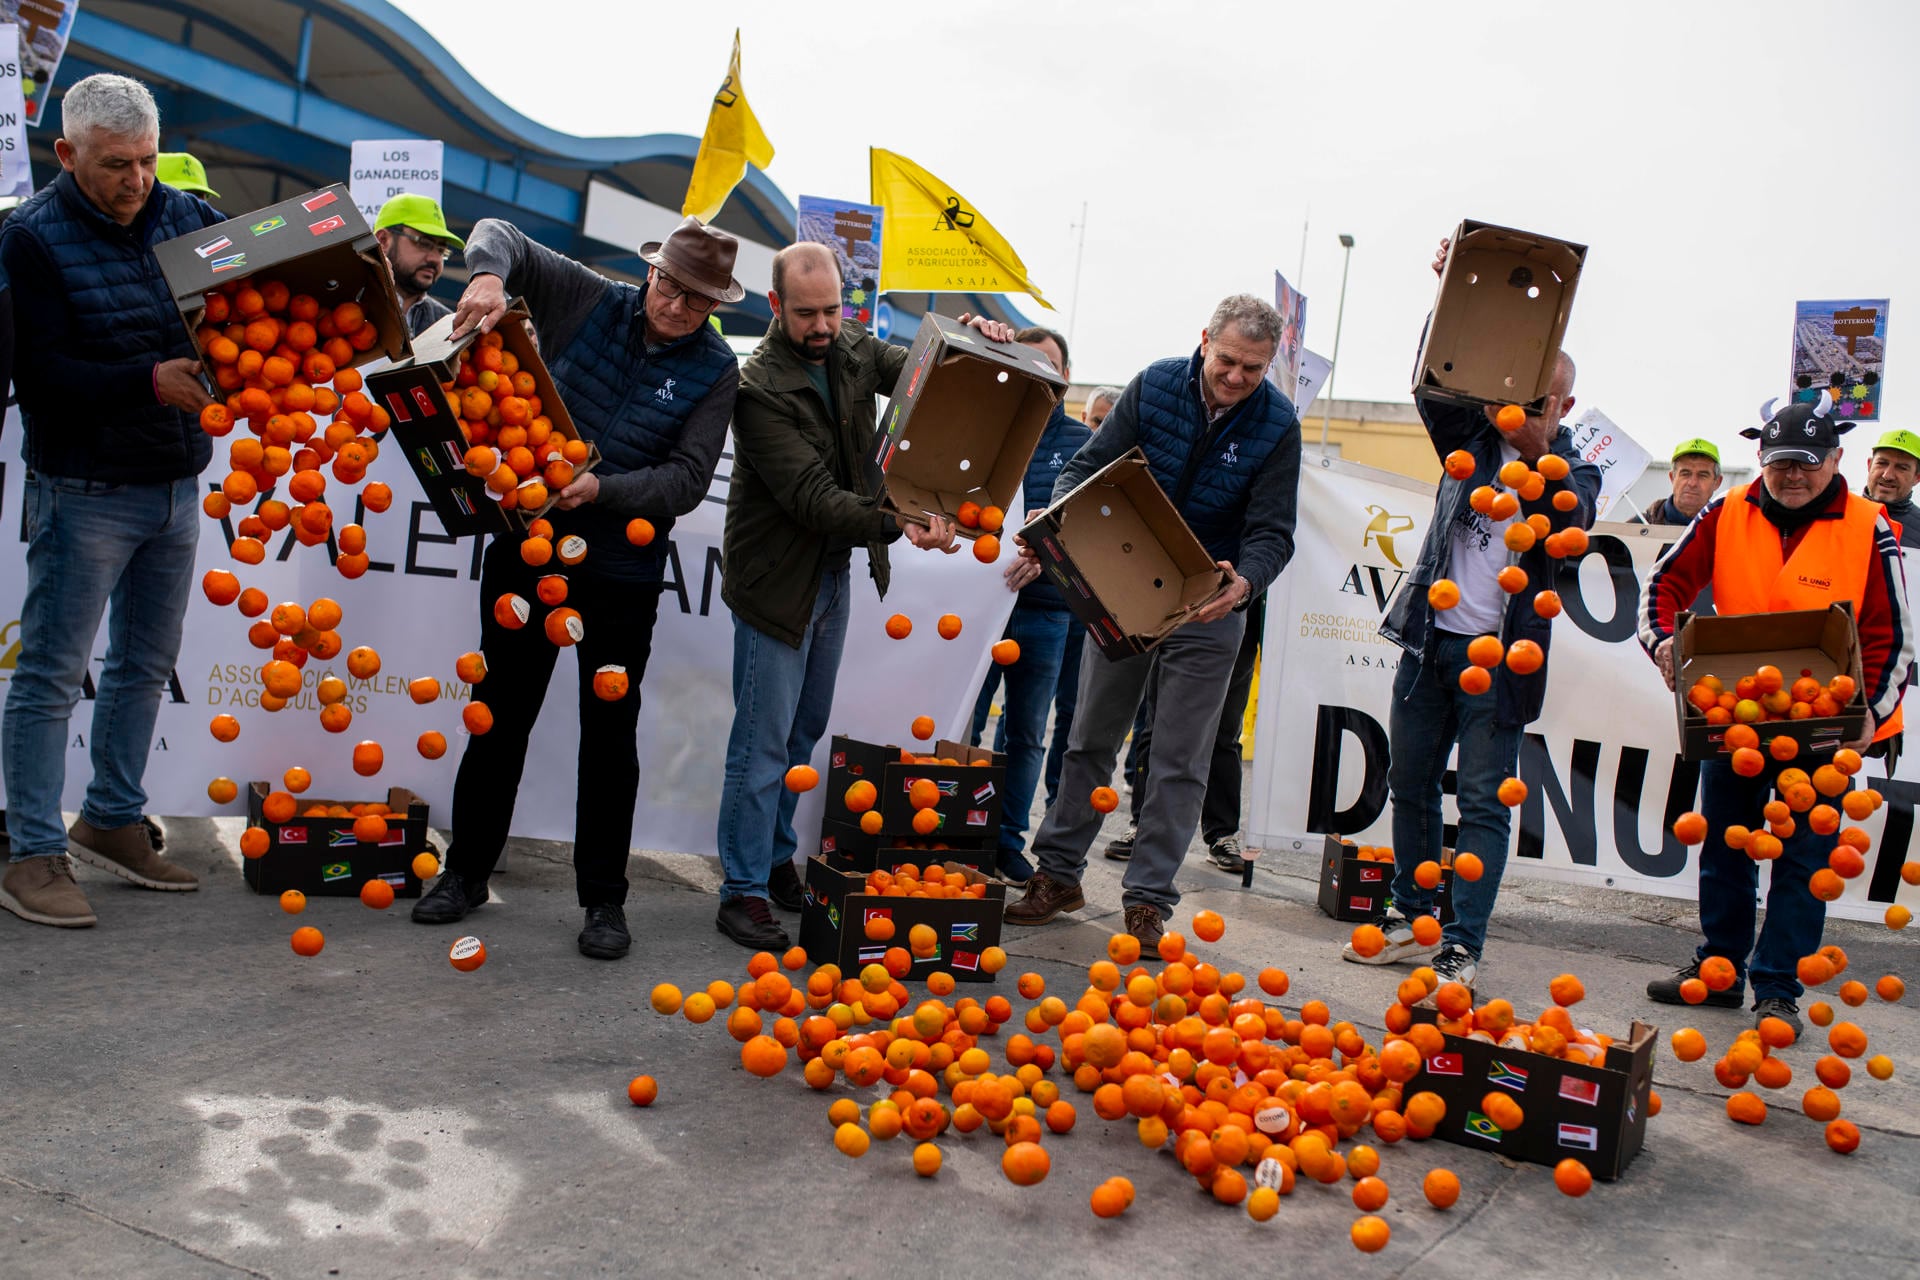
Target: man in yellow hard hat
[1695, 476]
[412, 232]
[1891, 473]
[183, 171]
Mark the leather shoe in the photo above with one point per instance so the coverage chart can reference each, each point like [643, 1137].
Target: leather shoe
[448, 902]
[783, 886]
[605, 937]
[749, 922]
[1145, 922]
[1045, 899]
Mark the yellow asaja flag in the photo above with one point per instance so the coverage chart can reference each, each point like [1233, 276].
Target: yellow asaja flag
[936, 241]
[733, 140]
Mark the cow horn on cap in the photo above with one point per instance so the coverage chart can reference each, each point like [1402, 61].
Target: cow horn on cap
[1825, 406]
[1766, 410]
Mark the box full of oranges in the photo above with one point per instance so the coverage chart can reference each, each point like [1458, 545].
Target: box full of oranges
[1792, 674]
[1538, 1092]
[483, 425]
[329, 848]
[951, 795]
[852, 849]
[942, 915]
[1356, 881]
[314, 247]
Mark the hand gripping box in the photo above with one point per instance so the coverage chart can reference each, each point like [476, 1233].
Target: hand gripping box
[1128, 565]
[1501, 313]
[962, 422]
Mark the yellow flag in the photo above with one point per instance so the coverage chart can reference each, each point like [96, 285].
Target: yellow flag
[936, 241]
[733, 140]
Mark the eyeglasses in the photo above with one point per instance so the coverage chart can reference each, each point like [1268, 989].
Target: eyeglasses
[425, 242]
[1785, 465]
[699, 304]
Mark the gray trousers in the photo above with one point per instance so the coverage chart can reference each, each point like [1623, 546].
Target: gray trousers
[1195, 664]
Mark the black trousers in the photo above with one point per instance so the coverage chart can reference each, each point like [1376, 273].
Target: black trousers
[1220, 814]
[618, 619]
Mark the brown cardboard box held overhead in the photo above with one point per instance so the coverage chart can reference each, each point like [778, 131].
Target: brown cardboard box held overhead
[963, 422]
[1821, 643]
[1129, 566]
[1499, 317]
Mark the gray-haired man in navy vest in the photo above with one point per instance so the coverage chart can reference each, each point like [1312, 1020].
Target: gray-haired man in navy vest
[647, 379]
[110, 395]
[1225, 445]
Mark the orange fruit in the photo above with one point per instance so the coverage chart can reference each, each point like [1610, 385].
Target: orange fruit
[1025, 1164]
[802, 777]
[991, 518]
[1511, 793]
[223, 790]
[986, 548]
[1567, 990]
[1689, 1045]
[1842, 1136]
[563, 626]
[642, 1090]
[477, 717]
[1104, 799]
[278, 807]
[511, 611]
[763, 1056]
[368, 758]
[1486, 651]
[1691, 828]
[432, 744]
[307, 941]
[224, 728]
[335, 717]
[467, 954]
[1208, 926]
[899, 626]
[860, 796]
[470, 667]
[1006, 652]
[926, 821]
[1475, 680]
[1745, 1108]
[922, 727]
[1468, 866]
[220, 586]
[1890, 988]
[639, 532]
[1442, 1188]
[254, 842]
[376, 893]
[1512, 579]
[1572, 1177]
[1524, 657]
[293, 902]
[610, 683]
[1370, 1234]
[948, 626]
[1368, 940]
[1443, 594]
[423, 689]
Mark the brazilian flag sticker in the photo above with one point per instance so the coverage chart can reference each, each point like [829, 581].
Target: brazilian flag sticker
[1481, 1127]
[336, 871]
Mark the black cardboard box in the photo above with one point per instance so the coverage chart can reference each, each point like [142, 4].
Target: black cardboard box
[1355, 890]
[1129, 566]
[851, 849]
[1596, 1114]
[833, 923]
[971, 794]
[428, 429]
[1499, 317]
[1821, 643]
[322, 858]
[963, 421]
[316, 244]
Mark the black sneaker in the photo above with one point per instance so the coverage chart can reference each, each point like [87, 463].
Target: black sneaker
[449, 900]
[605, 937]
[1120, 848]
[1456, 964]
[1778, 1007]
[783, 886]
[1012, 866]
[749, 922]
[1667, 990]
[1224, 853]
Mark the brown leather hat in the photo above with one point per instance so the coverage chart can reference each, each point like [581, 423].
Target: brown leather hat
[699, 257]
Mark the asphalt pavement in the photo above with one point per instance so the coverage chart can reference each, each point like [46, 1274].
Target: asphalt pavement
[186, 1097]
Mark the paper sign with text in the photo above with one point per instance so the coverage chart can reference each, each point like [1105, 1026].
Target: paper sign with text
[382, 170]
[1618, 455]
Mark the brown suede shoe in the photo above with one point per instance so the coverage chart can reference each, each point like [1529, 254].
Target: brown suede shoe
[1045, 899]
[1145, 922]
[43, 890]
[132, 853]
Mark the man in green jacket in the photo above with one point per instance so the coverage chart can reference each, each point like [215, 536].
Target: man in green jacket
[805, 492]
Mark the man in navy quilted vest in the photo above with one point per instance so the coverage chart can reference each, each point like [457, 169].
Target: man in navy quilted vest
[1224, 444]
[110, 396]
[650, 382]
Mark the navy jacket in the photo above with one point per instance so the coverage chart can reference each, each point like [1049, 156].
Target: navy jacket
[1058, 443]
[94, 316]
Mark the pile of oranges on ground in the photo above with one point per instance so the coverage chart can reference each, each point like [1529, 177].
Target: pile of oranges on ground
[1751, 1059]
[1245, 1097]
[1765, 695]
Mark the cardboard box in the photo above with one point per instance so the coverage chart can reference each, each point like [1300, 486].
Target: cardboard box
[1351, 889]
[316, 244]
[1499, 317]
[971, 801]
[320, 856]
[1822, 643]
[849, 848]
[428, 429]
[1596, 1114]
[963, 421]
[833, 923]
[1129, 566]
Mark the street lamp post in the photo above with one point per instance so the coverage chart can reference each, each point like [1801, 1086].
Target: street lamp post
[1340, 317]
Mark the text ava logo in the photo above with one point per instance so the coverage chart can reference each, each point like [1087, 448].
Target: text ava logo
[1379, 575]
[665, 392]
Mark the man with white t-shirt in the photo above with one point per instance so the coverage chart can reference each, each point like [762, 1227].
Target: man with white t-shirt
[1432, 712]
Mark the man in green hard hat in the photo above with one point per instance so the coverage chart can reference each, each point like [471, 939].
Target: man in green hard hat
[183, 171]
[1695, 476]
[413, 234]
[1891, 473]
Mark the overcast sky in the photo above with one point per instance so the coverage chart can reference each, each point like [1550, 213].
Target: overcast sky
[1721, 160]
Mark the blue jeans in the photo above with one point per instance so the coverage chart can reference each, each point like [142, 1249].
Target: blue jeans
[1066, 696]
[1042, 637]
[1728, 877]
[91, 546]
[782, 697]
[1430, 715]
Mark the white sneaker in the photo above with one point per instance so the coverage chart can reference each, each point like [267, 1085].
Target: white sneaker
[1401, 948]
[1456, 964]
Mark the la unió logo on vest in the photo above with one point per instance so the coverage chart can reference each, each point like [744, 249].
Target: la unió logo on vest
[1822, 584]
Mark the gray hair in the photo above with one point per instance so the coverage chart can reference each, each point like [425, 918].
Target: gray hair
[114, 105]
[1103, 395]
[1255, 319]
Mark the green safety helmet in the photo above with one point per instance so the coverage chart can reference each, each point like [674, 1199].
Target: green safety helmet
[419, 212]
[1705, 448]
[1904, 441]
[183, 172]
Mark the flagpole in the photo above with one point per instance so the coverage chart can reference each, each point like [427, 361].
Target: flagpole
[1079, 256]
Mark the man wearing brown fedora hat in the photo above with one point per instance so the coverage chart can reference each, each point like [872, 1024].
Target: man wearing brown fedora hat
[647, 380]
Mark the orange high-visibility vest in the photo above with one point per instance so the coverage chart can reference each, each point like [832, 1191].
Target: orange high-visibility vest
[1753, 574]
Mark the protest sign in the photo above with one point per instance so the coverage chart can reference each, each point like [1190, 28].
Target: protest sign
[853, 232]
[1619, 456]
[16, 172]
[1841, 347]
[381, 170]
[44, 27]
